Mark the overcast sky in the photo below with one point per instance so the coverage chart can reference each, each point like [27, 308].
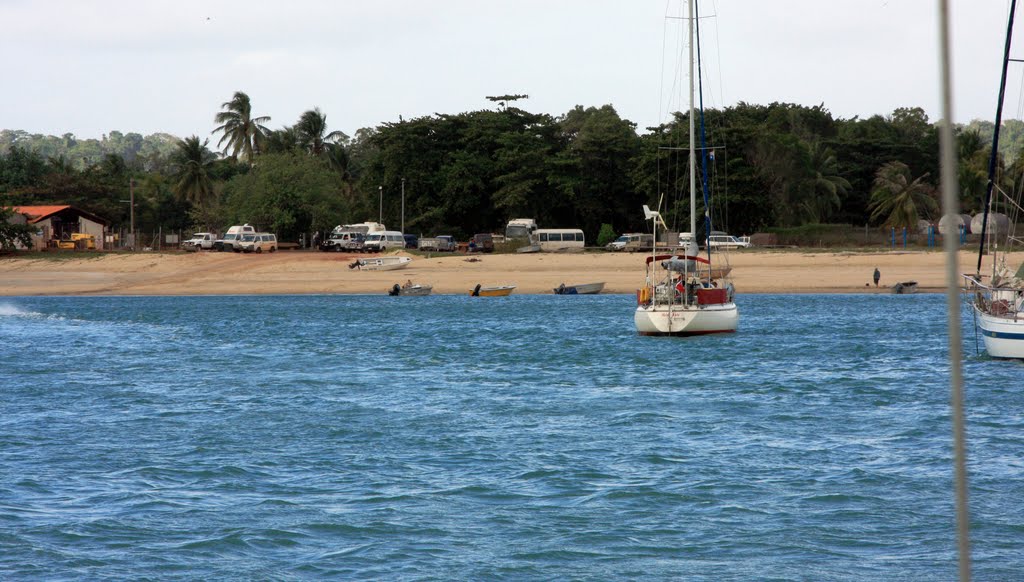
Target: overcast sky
[156, 65]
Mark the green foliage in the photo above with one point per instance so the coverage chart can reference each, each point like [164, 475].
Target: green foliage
[776, 165]
[287, 194]
[243, 133]
[12, 233]
[190, 169]
[899, 198]
[606, 235]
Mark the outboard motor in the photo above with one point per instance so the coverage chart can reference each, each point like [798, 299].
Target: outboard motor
[395, 290]
[476, 290]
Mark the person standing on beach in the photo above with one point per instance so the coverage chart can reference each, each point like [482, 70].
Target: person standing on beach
[878, 276]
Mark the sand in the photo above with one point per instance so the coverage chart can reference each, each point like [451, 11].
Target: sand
[290, 272]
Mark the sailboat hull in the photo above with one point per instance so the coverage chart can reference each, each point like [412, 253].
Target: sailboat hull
[686, 320]
[1003, 336]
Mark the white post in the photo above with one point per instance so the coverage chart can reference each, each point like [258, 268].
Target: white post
[380, 214]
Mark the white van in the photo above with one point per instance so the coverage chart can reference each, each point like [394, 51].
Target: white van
[559, 239]
[232, 236]
[258, 242]
[382, 241]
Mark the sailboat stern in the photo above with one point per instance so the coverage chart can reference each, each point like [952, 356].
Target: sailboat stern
[686, 321]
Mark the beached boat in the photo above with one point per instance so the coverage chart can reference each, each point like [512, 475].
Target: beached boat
[905, 288]
[386, 263]
[410, 289]
[686, 294]
[584, 289]
[998, 298]
[495, 291]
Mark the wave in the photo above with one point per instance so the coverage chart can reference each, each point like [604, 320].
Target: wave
[12, 310]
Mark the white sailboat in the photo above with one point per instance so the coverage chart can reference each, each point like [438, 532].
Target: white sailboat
[998, 299]
[685, 294]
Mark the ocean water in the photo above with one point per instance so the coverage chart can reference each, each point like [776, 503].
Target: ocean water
[529, 437]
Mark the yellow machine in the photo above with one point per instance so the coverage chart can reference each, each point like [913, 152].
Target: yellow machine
[81, 240]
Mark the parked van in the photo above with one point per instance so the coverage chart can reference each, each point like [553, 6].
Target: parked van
[559, 239]
[258, 242]
[361, 227]
[382, 241]
[632, 241]
[231, 237]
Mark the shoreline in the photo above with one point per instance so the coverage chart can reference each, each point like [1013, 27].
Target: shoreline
[756, 271]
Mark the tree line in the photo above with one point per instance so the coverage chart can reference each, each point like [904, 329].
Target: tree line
[776, 165]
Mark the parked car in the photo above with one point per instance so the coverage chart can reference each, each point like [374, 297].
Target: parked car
[232, 236]
[442, 242]
[632, 241]
[200, 240]
[726, 241]
[411, 241]
[382, 241]
[482, 243]
[257, 243]
[347, 241]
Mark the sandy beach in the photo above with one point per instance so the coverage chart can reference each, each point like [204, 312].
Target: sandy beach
[293, 272]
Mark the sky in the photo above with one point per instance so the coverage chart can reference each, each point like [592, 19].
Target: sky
[167, 66]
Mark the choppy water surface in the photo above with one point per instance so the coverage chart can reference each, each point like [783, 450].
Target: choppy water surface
[477, 438]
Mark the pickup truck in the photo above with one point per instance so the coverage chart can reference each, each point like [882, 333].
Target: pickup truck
[344, 242]
[442, 243]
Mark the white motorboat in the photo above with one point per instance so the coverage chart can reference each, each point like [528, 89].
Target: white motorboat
[410, 289]
[686, 294]
[998, 298]
[583, 289]
[386, 263]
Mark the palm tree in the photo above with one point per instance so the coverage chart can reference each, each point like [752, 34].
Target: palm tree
[191, 164]
[898, 197]
[972, 169]
[312, 131]
[825, 186]
[242, 132]
[281, 141]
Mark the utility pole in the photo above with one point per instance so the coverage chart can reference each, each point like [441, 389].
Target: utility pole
[380, 214]
[403, 205]
[131, 202]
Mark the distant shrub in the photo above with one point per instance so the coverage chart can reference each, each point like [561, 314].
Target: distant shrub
[606, 235]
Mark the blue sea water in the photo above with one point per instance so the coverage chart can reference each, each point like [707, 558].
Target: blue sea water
[529, 437]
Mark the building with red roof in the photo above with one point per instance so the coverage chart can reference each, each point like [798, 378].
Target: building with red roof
[59, 222]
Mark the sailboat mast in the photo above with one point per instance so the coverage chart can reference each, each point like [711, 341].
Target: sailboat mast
[693, 155]
[995, 136]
